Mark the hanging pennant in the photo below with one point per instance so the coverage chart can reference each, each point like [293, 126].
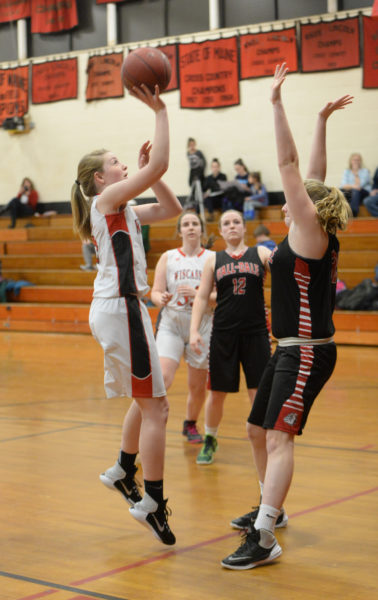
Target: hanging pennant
[370, 77]
[12, 10]
[330, 45]
[104, 77]
[170, 50]
[50, 16]
[14, 92]
[54, 81]
[261, 52]
[209, 74]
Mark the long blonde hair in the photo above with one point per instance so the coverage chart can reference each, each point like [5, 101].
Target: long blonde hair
[331, 205]
[81, 205]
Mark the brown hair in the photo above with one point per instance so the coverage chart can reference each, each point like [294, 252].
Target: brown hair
[188, 212]
[261, 230]
[331, 205]
[228, 211]
[81, 205]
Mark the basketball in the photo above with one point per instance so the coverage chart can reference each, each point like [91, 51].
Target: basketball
[146, 65]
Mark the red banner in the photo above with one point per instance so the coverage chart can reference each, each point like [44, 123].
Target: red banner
[12, 10]
[330, 45]
[14, 92]
[370, 78]
[374, 11]
[49, 16]
[54, 80]
[170, 50]
[104, 77]
[261, 52]
[209, 74]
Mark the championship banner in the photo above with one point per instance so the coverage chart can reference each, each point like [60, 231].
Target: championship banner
[104, 77]
[170, 50]
[374, 10]
[261, 52]
[54, 81]
[14, 92]
[370, 77]
[12, 10]
[209, 73]
[330, 45]
[50, 16]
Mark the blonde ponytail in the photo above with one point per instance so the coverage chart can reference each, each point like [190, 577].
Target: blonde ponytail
[81, 205]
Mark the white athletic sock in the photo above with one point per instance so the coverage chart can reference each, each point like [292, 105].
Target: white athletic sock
[267, 517]
[211, 431]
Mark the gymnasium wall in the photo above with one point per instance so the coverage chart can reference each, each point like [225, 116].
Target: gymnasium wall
[66, 130]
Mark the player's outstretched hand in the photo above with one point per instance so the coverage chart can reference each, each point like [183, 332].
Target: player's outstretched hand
[144, 154]
[278, 79]
[144, 94]
[338, 104]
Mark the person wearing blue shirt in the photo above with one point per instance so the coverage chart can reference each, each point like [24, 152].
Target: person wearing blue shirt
[262, 237]
[356, 182]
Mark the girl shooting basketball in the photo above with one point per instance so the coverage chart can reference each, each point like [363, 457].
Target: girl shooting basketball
[118, 317]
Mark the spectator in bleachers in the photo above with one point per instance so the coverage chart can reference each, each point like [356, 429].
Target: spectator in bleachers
[371, 202]
[24, 204]
[259, 196]
[262, 237]
[355, 182]
[213, 195]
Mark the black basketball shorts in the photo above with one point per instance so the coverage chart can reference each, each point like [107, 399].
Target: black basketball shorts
[292, 379]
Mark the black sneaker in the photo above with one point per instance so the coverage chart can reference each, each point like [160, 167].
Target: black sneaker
[258, 547]
[116, 478]
[155, 517]
[248, 520]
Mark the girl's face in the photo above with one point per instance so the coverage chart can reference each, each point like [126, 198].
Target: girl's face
[240, 170]
[215, 168]
[355, 161]
[232, 227]
[113, 170]
[190, 227]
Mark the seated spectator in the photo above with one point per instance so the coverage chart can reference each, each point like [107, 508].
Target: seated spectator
[262, 237]
[237, 189]
[355, 182]
[371, 202]
[241, 172]
[24, 204]
[213, 195]
[259, 196]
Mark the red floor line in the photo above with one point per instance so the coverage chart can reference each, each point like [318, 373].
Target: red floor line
[367, 447]
[165, 555]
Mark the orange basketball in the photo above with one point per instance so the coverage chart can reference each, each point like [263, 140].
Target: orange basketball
[146, 65]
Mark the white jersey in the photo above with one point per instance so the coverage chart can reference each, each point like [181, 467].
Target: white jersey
[122, 267]
[184, 270]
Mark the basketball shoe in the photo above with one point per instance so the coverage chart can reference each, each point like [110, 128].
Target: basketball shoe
[116, 478]
[258, 547]
[248, 520]
[154, 516]
[189, 429]
[206, 454]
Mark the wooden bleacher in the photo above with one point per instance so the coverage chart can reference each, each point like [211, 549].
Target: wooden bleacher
[48, 255]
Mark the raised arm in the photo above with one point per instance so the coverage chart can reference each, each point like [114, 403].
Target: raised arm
[117, 194]
[317, 167]
[301, 208]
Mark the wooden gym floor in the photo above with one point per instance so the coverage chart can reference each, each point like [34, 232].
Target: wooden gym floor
[65, 536]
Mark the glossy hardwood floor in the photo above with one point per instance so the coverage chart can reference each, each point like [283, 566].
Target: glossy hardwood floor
[65, 536]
